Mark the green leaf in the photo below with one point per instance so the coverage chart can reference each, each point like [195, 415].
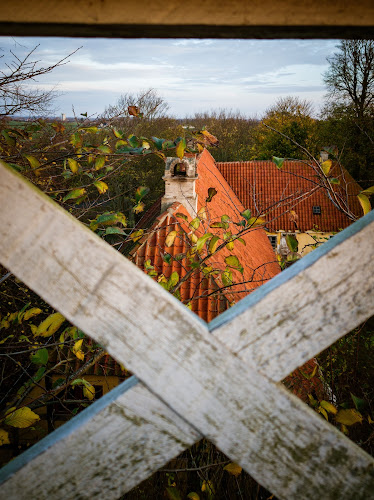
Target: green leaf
[211, 192]
[73, 165]
[233, 261]
[333, 180]
[195, 223]
[99, 162]
[105, 149]
[39, 374]
[181, 148]
[39, 357]
[114, 230]
[202, 240]
[247, 214]
[9, 140]
[213, 244]
[278, 161]
[360, 404]
[365, 203]
[140, 193]
[158, 142]
[173, 280]
[292, 243]
[181, 216]
[166, 258]
[133, 141]
[76, 193]
[326, 166]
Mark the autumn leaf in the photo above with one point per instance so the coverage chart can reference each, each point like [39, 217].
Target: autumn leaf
[364, 202]
[233, 469]
[133, 110]
[348, 417]
[34, 163]
[77, 349]
[21, 418]
[136, 235]
[76, 193]
[329, 407]
[99, 162]
[193, 496]
[213, 244]
[30, 313]
[50, 325]
[88, 390]
[233, 261]
[101, 186]
[4, 437]
[169, 240]
[181, 148]
[211, 193]
[202, 240]
[278, 161]
[326, 166]
[73, 165]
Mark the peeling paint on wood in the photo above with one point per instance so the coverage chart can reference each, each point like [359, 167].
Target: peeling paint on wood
[282, 443]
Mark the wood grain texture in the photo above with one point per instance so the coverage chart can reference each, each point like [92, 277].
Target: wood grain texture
[318, 300]
[286, 446]
[105, 451]
[173, 12]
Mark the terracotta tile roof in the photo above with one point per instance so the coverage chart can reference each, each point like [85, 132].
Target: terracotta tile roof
[263, 188]
[255, 254]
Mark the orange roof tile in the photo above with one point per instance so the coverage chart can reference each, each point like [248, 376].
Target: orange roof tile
[263, 188]
[255, 253]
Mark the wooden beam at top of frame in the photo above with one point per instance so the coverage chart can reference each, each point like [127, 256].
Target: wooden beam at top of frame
[172, 18]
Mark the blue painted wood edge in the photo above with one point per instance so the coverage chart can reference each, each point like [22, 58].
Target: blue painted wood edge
[292, 271]
[65, 430]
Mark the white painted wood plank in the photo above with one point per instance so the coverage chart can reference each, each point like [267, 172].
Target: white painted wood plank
[104, 452]
[245, 414]
[318, 300]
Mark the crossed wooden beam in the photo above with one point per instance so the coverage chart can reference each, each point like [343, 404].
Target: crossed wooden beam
[221, 380]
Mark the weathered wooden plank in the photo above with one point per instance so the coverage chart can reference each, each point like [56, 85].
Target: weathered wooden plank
[309, 306]
[244, 413]
[106, 450]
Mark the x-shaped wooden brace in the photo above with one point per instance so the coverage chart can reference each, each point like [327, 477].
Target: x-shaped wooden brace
[219, 380]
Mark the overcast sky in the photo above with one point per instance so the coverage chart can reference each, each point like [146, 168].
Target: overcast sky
[191, 75]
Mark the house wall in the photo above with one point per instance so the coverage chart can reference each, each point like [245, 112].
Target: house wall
[308, 241]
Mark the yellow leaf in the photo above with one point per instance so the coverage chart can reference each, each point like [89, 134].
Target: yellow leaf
[208, 487]
[329, 407]
[323, 412]
[73, 165]
[348, 417]
[77, 349]
[194, 238]
[34, 328]
[230, 245]
[370, 420]
[30, 313]
[88, 390]
[202, 213]
[169, 240]
[213, 244]
[364, 202]
[21, 418]
[50, 325]
[233, 469]
[326, 165]
[135, 236]
[256, 221]
[4, 437]
[99, 162]
[101, 186]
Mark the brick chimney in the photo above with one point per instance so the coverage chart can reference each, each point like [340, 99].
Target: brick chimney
[180, 176]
